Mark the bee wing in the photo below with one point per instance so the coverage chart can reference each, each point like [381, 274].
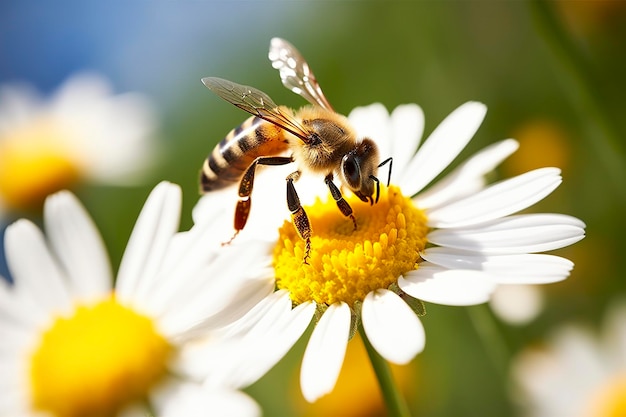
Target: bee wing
[295, 72]
[257, 103]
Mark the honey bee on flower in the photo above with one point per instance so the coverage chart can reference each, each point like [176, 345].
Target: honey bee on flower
[450, 241]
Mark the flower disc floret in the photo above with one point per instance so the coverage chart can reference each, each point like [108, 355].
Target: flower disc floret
[96, 361]
[346, 264]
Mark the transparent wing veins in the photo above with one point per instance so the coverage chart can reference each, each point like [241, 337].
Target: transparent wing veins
[256, 103]
[295, 72]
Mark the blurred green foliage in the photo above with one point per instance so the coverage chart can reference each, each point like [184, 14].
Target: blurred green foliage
[439, 55]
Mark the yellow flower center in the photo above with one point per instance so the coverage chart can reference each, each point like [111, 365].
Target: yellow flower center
[609, 400]
[33, 164]
[346, 264]
[96, 361]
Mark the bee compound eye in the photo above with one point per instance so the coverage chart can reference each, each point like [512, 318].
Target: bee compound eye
[351, 171]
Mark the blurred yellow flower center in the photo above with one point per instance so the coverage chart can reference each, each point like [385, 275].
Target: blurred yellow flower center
[96, 361]
[34, 163]
[609, 400]
[346, 264]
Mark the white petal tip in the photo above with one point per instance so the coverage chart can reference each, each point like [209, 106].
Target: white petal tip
[392, 327]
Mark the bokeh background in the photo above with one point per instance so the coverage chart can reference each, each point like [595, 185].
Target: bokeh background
[551, 74]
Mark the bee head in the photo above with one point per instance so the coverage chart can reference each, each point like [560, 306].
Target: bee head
[359, 168]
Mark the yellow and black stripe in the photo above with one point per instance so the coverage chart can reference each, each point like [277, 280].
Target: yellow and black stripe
[229, 159]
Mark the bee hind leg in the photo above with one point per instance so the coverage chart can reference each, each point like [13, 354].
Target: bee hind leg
[343, 205]
[298, 215]
[242, 209]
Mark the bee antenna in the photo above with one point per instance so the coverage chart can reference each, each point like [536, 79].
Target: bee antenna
[390, 160]
[377, 186]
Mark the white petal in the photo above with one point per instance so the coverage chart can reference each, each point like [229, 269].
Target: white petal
[195, 359]
[19, 105]
[407, 128]
[266, 351]
[455, 287]
[236, 303]
[155, 226]
[34, 270]
[579, 350]
[325, 351]
[18, 309]
[498, 200]
[524, 233]
[517, 304]
[468, 177]
[392, 327]
[211, 205]
[188, 251]
[15, 400]
[269, 210]
[15, 364]
[558, 380]
[78, 246]
[225, 403]
[505, 269]
[372, 122]
[241, 353]
[278, 304]
[442, 146]
[197, 319]
[271, 324]
[254, 354]
[134, 121]
[175, 399]
[81, 93]
[214, 292]
[111, 132]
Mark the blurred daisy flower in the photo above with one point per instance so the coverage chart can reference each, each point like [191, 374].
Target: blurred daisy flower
[452, 243]
[75, 344]
[577, 373]
[82, 133]
[517, 304]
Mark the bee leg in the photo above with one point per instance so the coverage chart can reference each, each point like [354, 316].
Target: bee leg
[242, 210]
[343, 205]
[298, 215]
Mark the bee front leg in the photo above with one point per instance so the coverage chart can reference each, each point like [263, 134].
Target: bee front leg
[242, 210]
[298, 215]
[343, 205]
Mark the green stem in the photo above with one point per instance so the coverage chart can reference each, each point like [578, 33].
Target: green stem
[487, 329]
[581, 82]
[396, 405]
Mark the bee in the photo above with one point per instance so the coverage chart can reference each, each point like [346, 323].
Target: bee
[315, 138]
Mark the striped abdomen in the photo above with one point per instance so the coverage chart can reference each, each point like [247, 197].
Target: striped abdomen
[253, 138]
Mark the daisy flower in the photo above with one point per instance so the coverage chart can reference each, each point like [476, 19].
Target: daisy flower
[451, 241]
[75, 344]
[82, 133]
[577, 373]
